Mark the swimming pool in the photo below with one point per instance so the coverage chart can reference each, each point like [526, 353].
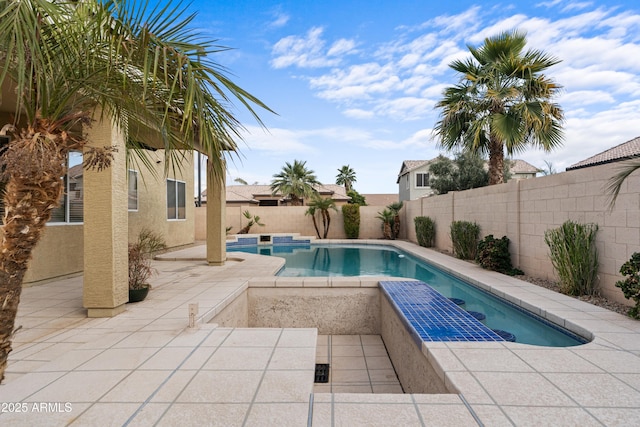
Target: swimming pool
[321, 260]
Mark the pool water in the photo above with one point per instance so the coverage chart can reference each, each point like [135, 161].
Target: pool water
[368, 260]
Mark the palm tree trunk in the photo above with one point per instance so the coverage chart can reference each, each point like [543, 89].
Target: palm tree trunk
[496, 161]
[386, 230]
[326, 221]
[31, 193]
[315, 225]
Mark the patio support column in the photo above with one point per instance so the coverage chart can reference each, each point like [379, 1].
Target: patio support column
[216, 217]
[106, 234]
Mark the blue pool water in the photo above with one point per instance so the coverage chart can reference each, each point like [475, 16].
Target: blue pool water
[366, 260]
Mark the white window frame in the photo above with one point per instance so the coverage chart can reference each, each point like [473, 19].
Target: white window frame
[423, 179]
[132, 173]
[177, 206]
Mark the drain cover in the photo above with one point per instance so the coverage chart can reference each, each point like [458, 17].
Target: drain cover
[322, 373]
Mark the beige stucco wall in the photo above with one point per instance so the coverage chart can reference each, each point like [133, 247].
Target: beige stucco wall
[291, 219]
[525, 209]
[48, 260]
[152, 202]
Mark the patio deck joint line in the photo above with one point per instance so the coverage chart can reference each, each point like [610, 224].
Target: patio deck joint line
[310, 416]
[162, 384]
[473, 413]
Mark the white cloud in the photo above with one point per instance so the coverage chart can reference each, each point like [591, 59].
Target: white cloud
[280, 20]
[358, 113]
[276, 140]
[309, 51]
[340, 47]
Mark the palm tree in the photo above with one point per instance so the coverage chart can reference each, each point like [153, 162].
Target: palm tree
[387, 217]
[295, 181]
[72, 62]
[615, 183]
[346, 176]
[395, 209]
[321, 205]
[253, 220]
[503, 101]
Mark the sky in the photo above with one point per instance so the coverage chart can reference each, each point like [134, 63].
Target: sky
[356, 82]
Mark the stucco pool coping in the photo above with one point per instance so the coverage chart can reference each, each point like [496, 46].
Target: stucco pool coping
[142, 367]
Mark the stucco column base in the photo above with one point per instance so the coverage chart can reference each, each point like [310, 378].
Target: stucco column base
[106, 312]
[216, 217]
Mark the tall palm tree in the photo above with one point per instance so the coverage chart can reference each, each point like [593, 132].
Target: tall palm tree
[141, 68]
[295, 181]
[502, 102]
[346, 176]
[321, 205]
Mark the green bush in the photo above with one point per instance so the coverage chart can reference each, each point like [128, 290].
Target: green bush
[493, 254]
[351, 216]
[574, 256]
[631, 285]
[464, 236]
[425, 231]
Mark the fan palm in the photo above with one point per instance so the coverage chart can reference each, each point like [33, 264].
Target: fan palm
[503, 101]
[295, 181]
[346, 176]
[70, 63]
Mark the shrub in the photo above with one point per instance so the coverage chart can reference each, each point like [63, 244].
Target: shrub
[631, 285]
[464, 236]
[425, 231]
[574, 256]
[351, 217]
[253, 220]
[493, 254]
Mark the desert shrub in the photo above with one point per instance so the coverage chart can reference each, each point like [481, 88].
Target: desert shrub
[425, 231]
[464, 236]
[150, 242]
[631, 285]
[574, 256]
[351, 217]
[493, 254]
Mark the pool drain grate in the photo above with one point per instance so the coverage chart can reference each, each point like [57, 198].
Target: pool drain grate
[322, 373]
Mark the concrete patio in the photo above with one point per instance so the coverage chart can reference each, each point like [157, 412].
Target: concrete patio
[147, 367]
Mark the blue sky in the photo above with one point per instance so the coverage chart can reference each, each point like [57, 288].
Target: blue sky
[355, 82]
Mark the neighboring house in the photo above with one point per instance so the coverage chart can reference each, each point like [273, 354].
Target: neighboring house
[260, 195]
[413, 179]
[625, 151]
[520, 169]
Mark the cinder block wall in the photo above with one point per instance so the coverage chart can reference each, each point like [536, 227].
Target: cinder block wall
[524, 210]
[292, 219]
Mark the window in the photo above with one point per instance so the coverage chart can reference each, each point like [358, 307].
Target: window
[407, 179]
[422, 180]
[176, 199]
[133, 190]
[72, 202]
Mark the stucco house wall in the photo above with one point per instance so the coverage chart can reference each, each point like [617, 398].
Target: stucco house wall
[60, 251]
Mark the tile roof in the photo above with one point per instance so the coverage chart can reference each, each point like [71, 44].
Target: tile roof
[520, 166]
[244, 193]
[624, 151]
